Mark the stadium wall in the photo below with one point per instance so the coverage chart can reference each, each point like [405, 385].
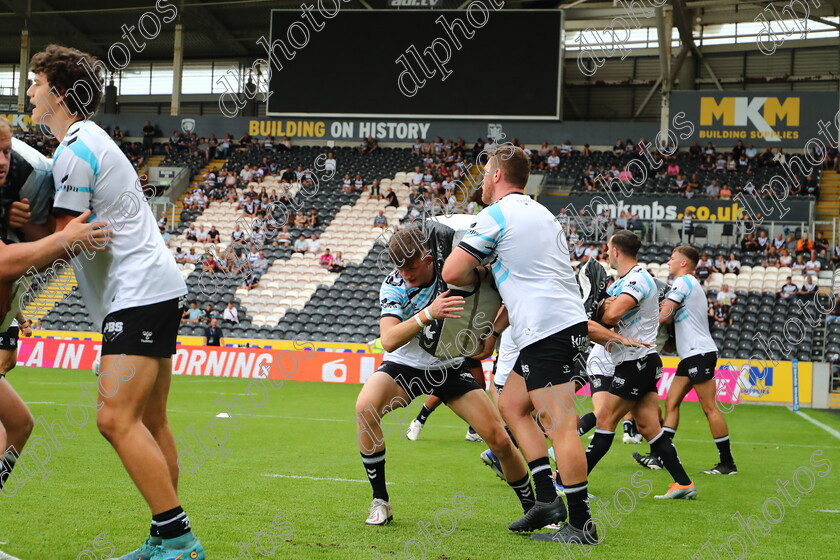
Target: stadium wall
[739, 381]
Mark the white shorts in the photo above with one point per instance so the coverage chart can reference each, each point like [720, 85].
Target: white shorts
[508, 354]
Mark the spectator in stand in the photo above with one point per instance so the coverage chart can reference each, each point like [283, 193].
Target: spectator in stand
[695, 151]
[566, 149]
[260, 265]
[771, 259]
[804, 246]
[330, 163]
[725, 192]
[821, 244]
[165, 235]
[799, 264]
[368, 146]
[223, 151]
[117, 135]
[190, 232]
[391, 197]
[208, 314]
[213, 235]
[713, 190]
[553, 160]
[673, 169]
[201, 235]
[618, 148]
[834, 315]
[312, 219]
[213, 335]
[300, 219]
[347, 184]
[779, 241]
[337, 264]
[835, 257]
[725, 297]
[284, 238]
[733, 265]
[763, 241]
[180, 256]
[723, 316]
[326, 258]
[375, 190]
[751, 152]
[808, 289]
[687, 226]
[174, 144]
[591, 252]
[788, 290]
[790, 243]
[148, 137]
[720, 265]
[237, 236]
[213, 146]
[812, 267]
[380, 220]
[314, 244]
[711, 308]
[704, 268]
[231, 314]
[784, 257]
[193, 314]
[749, 244]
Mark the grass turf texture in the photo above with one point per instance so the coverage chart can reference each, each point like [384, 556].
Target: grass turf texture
[308, 430]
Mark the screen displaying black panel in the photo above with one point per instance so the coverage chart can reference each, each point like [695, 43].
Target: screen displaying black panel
[501, 63]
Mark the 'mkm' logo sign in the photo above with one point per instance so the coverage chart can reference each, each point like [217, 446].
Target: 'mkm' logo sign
[762, 113]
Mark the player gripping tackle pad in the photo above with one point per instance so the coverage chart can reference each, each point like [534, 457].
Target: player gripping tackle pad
[464, 337]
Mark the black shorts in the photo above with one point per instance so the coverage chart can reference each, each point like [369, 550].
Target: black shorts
[446, 384]
[471, 363]
[551, 361]
[698, 368]
[149, 330]
[598, 383]
[9, 339]
[633, 379]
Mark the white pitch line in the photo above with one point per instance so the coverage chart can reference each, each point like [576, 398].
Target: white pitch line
[317, 478]
[828, 429]
[739, 442]
[42, 402]
[829, 510]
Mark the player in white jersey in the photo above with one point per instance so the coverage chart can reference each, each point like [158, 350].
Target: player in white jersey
[530, 263]
[686, 307]
[22, 175]
[634, 309]
[132, 288]
[410, 301]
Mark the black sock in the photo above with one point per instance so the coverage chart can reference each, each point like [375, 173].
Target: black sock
[724, 451]
[586, 423]
[664, 448]
[628, 427]
[524, 492]
[557, 478]
[633, 429]
[601, 443]
[375, 469]
[7, 463]
[669, 432]
[424, 414]
[578, 498]
[541, 473]
[513, 439]
[170, 524]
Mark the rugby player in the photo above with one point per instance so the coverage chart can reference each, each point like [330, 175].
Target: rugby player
[410, 301]
[686, 307]
[132, 289]
[548, 324]
[21, 170]
[634, 308]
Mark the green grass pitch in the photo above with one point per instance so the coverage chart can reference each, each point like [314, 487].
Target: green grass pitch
[447, 504]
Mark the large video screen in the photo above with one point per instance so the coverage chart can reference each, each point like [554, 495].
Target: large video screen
[472, 63]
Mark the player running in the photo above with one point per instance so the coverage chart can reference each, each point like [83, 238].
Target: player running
[132, 288]
[409, 301]
[547, 321]
[686, 307]
[634, 308]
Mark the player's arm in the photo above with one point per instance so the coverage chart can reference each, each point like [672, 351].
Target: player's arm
[17, 258]
[395, 332]
[616, 308]
[19, 216]
[667, 310]
[600, 334]
[500, 323]
[460, 268]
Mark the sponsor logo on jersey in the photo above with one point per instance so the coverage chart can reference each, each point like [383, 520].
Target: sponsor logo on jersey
[113, 327]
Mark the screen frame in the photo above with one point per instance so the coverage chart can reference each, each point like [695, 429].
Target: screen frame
[558, 106]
